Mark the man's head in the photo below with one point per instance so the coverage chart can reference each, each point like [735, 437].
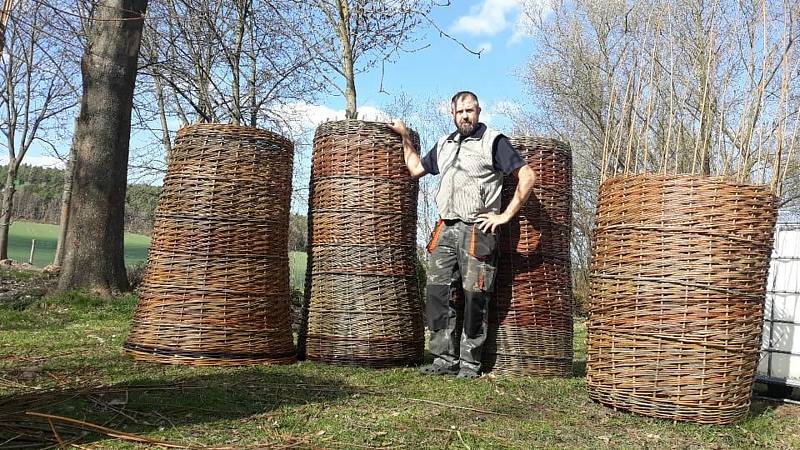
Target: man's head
[466, 110]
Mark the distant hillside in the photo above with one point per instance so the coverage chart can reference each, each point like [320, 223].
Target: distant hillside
[38, 199]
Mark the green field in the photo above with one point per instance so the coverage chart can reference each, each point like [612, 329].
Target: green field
[297, 269]
[136, 245]
[46, 235]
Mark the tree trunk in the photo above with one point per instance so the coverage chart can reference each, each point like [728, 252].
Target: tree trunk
[5, 208]
[348, 63]
[66, 198]
[94, 245]
[350, 93]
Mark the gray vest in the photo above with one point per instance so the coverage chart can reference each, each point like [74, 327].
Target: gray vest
[468, 183]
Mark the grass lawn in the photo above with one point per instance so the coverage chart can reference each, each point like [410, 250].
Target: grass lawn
[136, 246]
[62, 356]
[297, 269]
[46, 235]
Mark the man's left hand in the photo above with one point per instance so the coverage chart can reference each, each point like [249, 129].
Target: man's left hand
[490, 221]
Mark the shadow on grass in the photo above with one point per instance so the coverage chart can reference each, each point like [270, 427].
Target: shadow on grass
[578, 368]
[759, 407]
[143, 405]
[53, 311]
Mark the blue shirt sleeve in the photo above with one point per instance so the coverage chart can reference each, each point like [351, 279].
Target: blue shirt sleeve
[505, 158]
[430, 161]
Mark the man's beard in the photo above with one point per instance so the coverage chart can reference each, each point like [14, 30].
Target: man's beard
[465, 128]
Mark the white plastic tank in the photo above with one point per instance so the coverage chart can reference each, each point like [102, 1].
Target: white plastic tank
[780, 349]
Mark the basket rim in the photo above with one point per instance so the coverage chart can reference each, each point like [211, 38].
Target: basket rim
[231, 129]
[553, 142]
[683, 179]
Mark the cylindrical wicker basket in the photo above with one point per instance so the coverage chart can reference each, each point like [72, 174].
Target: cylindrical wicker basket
[530, 320]
[216, 288]
[362, 299]
[677, 289]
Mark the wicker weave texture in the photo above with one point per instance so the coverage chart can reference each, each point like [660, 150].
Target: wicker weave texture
[216, 287]
[678, 281]
[362, 297]
[537, 351]
[530, 319]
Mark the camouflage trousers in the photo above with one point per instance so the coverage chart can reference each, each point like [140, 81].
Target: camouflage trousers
[461, 255]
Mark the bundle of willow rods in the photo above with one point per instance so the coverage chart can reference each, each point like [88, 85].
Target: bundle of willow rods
[530, 320]
[362, 303]
[216, 287]
[678, 284]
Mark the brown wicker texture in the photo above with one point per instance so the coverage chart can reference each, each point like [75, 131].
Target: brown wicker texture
[362, 299]
[678, 282]
[530, 319]
[216, 288]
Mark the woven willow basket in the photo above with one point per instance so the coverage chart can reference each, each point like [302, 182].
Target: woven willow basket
[677, 289]
[530, 319]
[362, 299]
[216, 287]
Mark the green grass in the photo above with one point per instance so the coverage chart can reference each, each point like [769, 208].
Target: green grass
[136, 246]
[297, 269]
[46, 235]
[62, 355]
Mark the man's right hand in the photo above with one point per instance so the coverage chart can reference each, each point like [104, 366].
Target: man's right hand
[410, 155]
[399, 127]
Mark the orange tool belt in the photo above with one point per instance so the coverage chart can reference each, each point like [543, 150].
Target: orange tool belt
[435, 234]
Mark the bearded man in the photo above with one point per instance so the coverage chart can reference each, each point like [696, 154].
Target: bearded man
[471, 163]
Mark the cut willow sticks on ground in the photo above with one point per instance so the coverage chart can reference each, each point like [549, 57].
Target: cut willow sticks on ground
[449, 405]
[130, 437]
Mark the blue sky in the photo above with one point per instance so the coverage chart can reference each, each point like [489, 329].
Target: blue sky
[435, 72]
[444, 68]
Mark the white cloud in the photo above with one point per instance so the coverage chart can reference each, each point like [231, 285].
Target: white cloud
[492, 17]
[488, 18]
[301, 117]
[524, 25]
[522, 29]
[485, 48]
[39, 161]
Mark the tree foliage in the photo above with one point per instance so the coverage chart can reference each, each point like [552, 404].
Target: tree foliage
[224, 61]
[347, 37]
[37, 92]
[696, 86]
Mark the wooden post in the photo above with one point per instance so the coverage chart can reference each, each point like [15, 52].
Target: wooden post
[33, 249]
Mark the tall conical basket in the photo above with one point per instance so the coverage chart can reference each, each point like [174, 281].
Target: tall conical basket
[216, 287]
[530, 319]
[677, 291]
[362, 298]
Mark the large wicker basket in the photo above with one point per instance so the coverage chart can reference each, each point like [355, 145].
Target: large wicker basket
[530, 320]
[362, 298]
[677, 290]
[216, 288]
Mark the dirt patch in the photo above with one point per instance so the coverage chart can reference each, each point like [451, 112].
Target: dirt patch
[790, 411]
[16, 265]
[22, 281]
